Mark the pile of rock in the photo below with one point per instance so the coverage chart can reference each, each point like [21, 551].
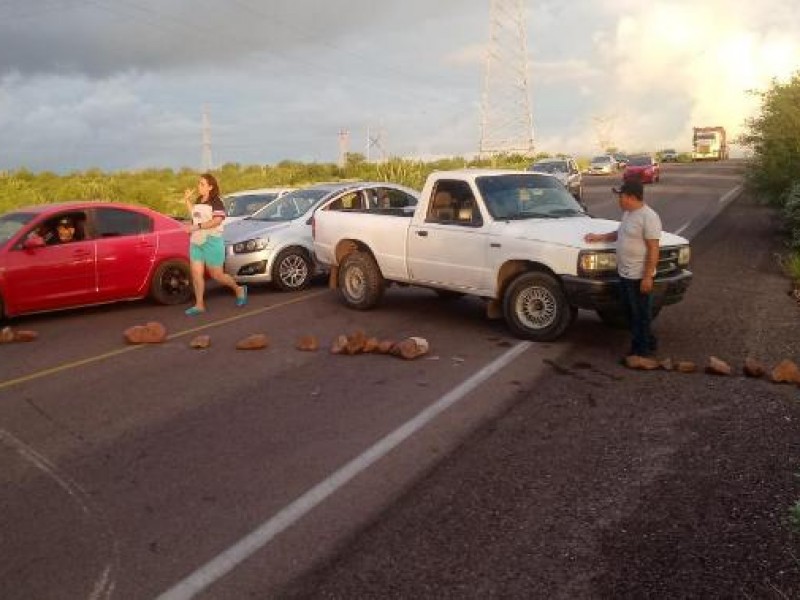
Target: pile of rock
[359, 343]
[784, 372]
[8, 335]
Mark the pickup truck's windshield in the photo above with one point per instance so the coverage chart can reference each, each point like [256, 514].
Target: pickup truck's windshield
[291, 206]
[11, 223]
[518, 196]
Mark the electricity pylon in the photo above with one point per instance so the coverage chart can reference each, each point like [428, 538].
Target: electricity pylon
[208, 163]
[506, 117]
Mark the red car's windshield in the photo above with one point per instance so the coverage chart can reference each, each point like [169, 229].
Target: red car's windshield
[11, 223]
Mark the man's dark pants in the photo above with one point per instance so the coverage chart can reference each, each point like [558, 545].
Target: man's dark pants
[639, 310]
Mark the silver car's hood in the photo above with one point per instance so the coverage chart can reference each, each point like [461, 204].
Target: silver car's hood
[569, 231]
[247, 229]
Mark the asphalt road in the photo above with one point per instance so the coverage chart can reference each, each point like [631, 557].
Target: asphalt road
[130, 472]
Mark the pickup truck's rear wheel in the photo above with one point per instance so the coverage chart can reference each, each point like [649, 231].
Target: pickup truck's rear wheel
[360, 281]
[536, 308]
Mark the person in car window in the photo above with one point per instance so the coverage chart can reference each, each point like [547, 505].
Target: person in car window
[206, 246]
[64, 233]
[637, 241]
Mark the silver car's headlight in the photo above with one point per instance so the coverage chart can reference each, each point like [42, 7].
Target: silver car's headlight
[684, 256]
[248, 246]
[595, 262]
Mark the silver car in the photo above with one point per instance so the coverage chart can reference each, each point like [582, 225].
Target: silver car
[275, 244]
[565, 170]
[603, 165]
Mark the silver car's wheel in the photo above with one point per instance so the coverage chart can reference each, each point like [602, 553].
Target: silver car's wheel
[292, 270]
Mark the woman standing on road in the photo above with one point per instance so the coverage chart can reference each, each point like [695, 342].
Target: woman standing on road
[207, 248]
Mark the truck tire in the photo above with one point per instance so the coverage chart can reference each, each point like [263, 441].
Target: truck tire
[292, 270]
[535, 307]
[361, 284]
[171, 283]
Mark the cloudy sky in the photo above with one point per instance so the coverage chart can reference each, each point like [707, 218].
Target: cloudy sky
[123, 84]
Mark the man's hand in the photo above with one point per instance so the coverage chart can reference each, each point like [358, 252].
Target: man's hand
[593, 237]
[646, 286]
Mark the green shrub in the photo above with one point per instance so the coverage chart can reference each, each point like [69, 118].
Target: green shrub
[794, 516]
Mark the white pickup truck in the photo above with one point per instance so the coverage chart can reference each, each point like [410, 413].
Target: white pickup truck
[513, 238]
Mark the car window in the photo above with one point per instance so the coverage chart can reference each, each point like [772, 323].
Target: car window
[512, 197]
[640, 161]
[242, 206]
[453, 203]
[11, 223]
[290, 206]
[349, 201]
[116, 222]
[390, 198]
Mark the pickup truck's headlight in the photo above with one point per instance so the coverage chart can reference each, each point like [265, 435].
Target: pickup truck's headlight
[594, 262]
[684, 256]
[248, 246]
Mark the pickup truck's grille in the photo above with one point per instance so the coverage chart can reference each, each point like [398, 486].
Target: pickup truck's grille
[667, 262]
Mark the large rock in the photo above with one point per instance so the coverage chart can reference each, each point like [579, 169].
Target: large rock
[6, 335]
[685, 366]
[411, 348]
[201, 342]
[718, 366]
[151, 333]
[356, 343]
[753, 368]
[25, 335]
[307, 343]
[786, 372]
[257, 341]
[339, 344]
[642, 363]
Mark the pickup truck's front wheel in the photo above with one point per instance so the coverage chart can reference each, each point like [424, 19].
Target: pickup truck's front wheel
[536, 308]
[360, 281]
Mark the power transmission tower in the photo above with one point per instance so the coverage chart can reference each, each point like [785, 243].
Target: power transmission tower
[376, 141]
[344, 140]
[604, 131]
[506, 117]
[208, 164]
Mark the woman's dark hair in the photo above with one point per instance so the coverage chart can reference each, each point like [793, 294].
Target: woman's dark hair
[212, 181]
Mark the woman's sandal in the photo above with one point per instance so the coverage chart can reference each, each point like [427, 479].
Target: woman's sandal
[194, 311]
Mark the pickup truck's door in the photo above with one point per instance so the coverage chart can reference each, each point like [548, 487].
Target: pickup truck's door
[451, 247]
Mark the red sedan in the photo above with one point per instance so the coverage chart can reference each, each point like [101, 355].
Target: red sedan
[56, 256]
[644, 168]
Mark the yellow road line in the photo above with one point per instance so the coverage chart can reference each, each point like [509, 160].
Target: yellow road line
[93, 359]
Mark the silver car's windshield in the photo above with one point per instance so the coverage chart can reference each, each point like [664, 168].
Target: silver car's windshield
[291, 206]
[11, 223]
[601, 160]
[516, 197]
[550, 167]
[241, 206]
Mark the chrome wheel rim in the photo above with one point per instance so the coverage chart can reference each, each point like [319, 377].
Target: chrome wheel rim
[536, 307]
[293, 271]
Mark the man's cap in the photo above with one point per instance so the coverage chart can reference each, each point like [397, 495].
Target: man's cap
[66, 221]
[632, 187]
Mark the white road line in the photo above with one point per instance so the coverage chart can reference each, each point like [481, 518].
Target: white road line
[682, 228]
[225, 562]
[731, 194]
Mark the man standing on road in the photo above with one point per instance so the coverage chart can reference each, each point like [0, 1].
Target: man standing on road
[637, 241]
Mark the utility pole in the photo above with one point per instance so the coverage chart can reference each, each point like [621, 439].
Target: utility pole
[207, 162]
[506, 116]
[344, 140]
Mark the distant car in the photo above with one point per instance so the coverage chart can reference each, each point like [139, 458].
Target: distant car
[239, 205]
[565, 170]
[644, 168]
[117, 252]
[669, 155]
[275, 244]
[622, 161]
[603, 165]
